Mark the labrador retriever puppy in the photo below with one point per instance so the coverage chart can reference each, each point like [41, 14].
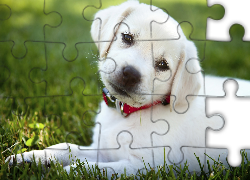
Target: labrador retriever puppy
[151, 103]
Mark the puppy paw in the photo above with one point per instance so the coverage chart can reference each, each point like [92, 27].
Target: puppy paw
[27, 157]
[18, 159]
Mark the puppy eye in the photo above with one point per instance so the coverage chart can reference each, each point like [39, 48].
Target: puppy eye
[162, 65]
[127, 38]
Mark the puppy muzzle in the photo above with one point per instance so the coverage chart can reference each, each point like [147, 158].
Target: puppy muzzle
[128, 79]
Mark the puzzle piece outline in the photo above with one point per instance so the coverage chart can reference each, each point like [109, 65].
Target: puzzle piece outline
[187, 101]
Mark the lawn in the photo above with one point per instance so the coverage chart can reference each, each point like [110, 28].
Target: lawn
[49, 83]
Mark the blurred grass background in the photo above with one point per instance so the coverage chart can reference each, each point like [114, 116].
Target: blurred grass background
[48, 66]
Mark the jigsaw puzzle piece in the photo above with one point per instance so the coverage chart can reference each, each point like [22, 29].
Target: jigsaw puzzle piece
[72, 21]
[15, 82]
[191, 157]
[182, 125]
[104, 25]
[124, 140]
[135, 127]
[160, 20]
[238, 63]
[23, 22]
[238, 51]
[197, 158]
[236, 12]
[90, 14]
[235, 110]
[188, 68]
[186, 8]
[182, 93]
[190, 55]
[52, 77]
[180, 75]
[76, 102]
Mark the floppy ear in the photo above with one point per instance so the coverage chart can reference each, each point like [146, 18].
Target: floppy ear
[106, 24]
[185, 83]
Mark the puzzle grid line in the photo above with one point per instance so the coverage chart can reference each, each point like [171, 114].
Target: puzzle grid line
[48, 42]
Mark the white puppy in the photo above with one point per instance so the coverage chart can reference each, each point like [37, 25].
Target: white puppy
[145, 64]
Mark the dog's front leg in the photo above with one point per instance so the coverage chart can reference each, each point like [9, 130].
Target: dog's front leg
[64, 153]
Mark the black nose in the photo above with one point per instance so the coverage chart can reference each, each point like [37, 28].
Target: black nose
[130, 76]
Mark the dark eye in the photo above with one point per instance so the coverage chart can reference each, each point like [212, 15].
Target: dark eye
[162, 65]
[127, 38]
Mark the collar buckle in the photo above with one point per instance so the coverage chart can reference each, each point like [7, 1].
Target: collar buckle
[120, 107]
[114, 103]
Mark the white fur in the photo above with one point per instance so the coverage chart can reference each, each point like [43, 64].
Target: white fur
[176, 125]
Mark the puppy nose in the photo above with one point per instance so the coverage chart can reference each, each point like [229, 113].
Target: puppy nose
[130, 76]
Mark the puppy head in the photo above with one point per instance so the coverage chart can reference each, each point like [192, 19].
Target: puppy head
[138, 64]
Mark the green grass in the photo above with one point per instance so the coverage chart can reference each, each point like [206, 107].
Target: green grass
[50, 98]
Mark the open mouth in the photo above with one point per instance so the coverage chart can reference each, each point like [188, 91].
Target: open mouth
[119, 90]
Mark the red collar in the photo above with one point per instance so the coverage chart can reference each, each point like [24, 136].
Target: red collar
[124, 108]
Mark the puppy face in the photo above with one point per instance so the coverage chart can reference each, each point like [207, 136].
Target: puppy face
[139, 58]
